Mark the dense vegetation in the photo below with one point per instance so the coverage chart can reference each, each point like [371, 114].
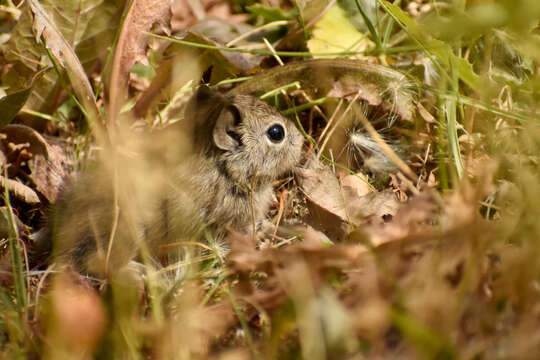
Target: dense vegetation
[413, 219]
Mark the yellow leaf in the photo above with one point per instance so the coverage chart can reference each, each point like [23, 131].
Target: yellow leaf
[334, 33]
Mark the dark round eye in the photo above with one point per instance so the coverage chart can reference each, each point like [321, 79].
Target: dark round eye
[276, 133]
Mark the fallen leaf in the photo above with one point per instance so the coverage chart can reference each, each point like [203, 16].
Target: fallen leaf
[181, 15]
[355, 185]
[334, 33]
[47, 163]
[375, 206]
[19, 190]
[340, 78]
[411, 219]
[279, 266]
[140, 16]
[425, 114]
[90, 28]
[319, 184]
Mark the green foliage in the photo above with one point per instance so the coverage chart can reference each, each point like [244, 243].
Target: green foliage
[88, 26]
[269, 14]
[453, 274]
[11, 104]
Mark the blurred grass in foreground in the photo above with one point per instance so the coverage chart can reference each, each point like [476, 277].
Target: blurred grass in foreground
[465, 287]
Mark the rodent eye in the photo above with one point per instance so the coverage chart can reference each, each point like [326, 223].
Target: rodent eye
[276, 133]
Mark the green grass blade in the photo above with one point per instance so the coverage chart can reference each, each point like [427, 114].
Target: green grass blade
[15, 254]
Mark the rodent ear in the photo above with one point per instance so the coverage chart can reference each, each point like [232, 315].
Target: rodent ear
[203, 103]
[225, 134]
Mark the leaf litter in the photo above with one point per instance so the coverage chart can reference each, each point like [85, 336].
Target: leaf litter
[372, 269]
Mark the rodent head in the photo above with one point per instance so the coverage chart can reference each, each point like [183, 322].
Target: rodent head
[251, 140]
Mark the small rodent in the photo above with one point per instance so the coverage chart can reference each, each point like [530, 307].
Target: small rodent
[237, 146]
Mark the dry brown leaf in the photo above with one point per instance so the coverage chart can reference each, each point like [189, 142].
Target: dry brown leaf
[400, 187]
[19, 190]
[413, 218]
[181, 15]
[375, 206]
[196, 326]
[341, 78]
[351, 200]
[46, 163]
[425, 114]
[312, 237]
[279, 266]
[141, 16]
[355, 185]
[321, 186]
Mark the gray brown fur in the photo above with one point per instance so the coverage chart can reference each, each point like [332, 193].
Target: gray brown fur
[223, 181]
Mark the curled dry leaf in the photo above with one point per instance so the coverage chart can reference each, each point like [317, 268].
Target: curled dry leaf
[46, 162]
[19, 190]
[350, 199]
[141, 16]
[321, 187]
[425, 114]
[341, 78]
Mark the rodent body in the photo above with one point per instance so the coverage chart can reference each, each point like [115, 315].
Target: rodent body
[238, 145]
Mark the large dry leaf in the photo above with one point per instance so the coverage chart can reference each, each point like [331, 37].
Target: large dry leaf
[87, 25]
[47, 162]
[65, 55]
[321, 186]
[350, 198]
[341, 78]
[140, 17]
[375, 205]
